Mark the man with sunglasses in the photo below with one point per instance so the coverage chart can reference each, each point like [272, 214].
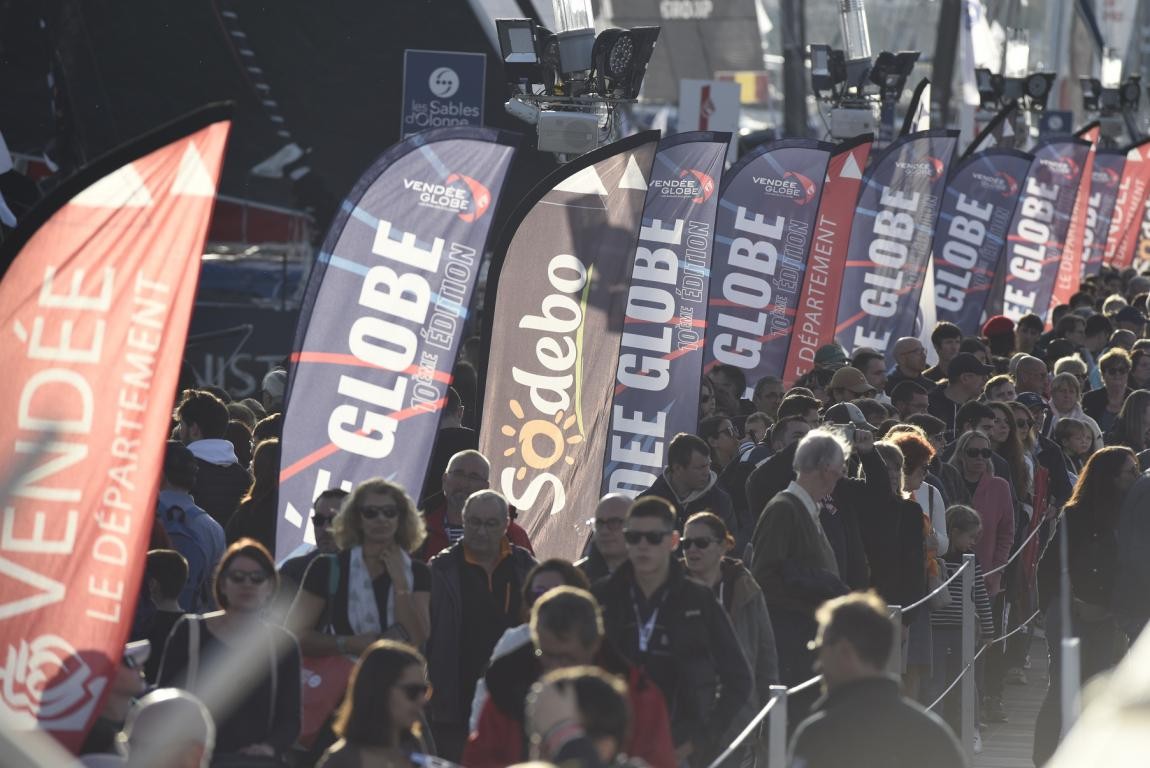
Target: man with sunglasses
[476, 585]
[324, 509]
[607, 550]
[675, 630]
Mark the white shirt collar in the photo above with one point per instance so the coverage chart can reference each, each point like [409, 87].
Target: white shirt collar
[811, 507]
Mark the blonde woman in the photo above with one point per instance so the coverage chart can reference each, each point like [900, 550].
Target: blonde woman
[372, 588]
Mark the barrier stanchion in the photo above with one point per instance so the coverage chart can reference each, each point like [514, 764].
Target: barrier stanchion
[894, 663]
[968, 691]
[1071, 674]
[777, 728]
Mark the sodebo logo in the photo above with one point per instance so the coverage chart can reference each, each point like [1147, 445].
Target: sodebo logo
[444, 82]
[458, 193]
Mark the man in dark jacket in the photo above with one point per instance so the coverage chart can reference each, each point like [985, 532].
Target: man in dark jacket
[856, 513]
[793, 561]
[862, 720]
[221, 480]
[476, 585]
[690, 484]
[676, 631]
[607, 550]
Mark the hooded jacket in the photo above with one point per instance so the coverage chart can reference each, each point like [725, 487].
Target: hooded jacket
[712, 498]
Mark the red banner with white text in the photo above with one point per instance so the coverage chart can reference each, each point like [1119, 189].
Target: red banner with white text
[1133, 190]
[1074, 254]
[95, 308]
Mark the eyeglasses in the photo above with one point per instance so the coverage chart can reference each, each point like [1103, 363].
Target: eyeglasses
[978, 453]
[252, 577]
[1023, 423]
[1116, 371]
[490, 524]
[610, 523]
[322, 521]
[415, 691]
[370, 513]
[702, 542]
[653, 537]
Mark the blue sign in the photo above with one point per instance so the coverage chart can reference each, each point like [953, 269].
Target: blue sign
[441, 89]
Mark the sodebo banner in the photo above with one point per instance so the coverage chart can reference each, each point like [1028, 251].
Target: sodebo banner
[661, 350]
[558, 316]
[891, 241]
[382, 319]
[977, 208]
[95, 311]
[767, 212]
[1024, 282]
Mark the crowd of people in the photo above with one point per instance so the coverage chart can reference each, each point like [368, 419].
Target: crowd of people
[767, 552]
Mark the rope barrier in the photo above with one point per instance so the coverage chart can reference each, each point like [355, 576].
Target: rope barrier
[939, 588]
[751, 726]
[1018, 551]
[805, 685]
[986, 645]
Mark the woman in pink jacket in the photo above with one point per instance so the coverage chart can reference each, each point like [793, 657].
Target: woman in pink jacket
[968, 477]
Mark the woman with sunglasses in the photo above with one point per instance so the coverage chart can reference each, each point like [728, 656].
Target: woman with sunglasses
[1091, 519]
[1104, 404]
[235, 649]
[968, 477]
[705, 545]
[372, 588]
[379, 722]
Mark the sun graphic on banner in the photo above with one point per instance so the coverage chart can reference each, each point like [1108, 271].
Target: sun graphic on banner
[552, 436]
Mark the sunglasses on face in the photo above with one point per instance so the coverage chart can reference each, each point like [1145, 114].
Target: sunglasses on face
[370, 513]
[702, 542]
[322, 521]
[610, 523]
[252, 577]
[978, 453]
[652, 537]
[1023, 423]
[414, 691]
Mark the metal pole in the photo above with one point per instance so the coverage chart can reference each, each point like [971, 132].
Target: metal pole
[794, 68]
[1070, 663]
[777, 729]
[968, 692]
[894, 663]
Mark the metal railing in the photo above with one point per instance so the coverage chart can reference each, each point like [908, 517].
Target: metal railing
[775, 711]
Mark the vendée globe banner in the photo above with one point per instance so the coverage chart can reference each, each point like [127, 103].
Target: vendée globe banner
[657, 380]
[767, 211]
[822, 283]
[891, 241]
[1128, 206]
[1106, 180]
[1024, 282]
[95, 305]
[1073, 261]
[382, 319]
[977, 208]
[558, 315]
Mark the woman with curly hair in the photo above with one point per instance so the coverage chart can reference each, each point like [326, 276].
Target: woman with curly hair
[373, 588]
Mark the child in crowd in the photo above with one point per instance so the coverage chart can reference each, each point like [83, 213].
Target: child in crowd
[1074, 438]
[963, 527]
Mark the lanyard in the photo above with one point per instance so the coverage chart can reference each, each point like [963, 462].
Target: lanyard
[647, 628]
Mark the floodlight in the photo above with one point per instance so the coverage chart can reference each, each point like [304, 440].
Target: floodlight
[620, 58]
[1091, 93]
[1038, 87]
[1131, 92]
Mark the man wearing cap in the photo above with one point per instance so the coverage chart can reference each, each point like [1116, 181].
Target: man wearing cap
[848, 384]
[1130, 319]
[965, 378]
[999, 334]
[909, 363]
[273, 386]
[830, 357]
[853, 507]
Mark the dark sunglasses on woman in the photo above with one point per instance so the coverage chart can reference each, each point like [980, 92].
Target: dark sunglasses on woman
[370, 513]
[978, 453]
